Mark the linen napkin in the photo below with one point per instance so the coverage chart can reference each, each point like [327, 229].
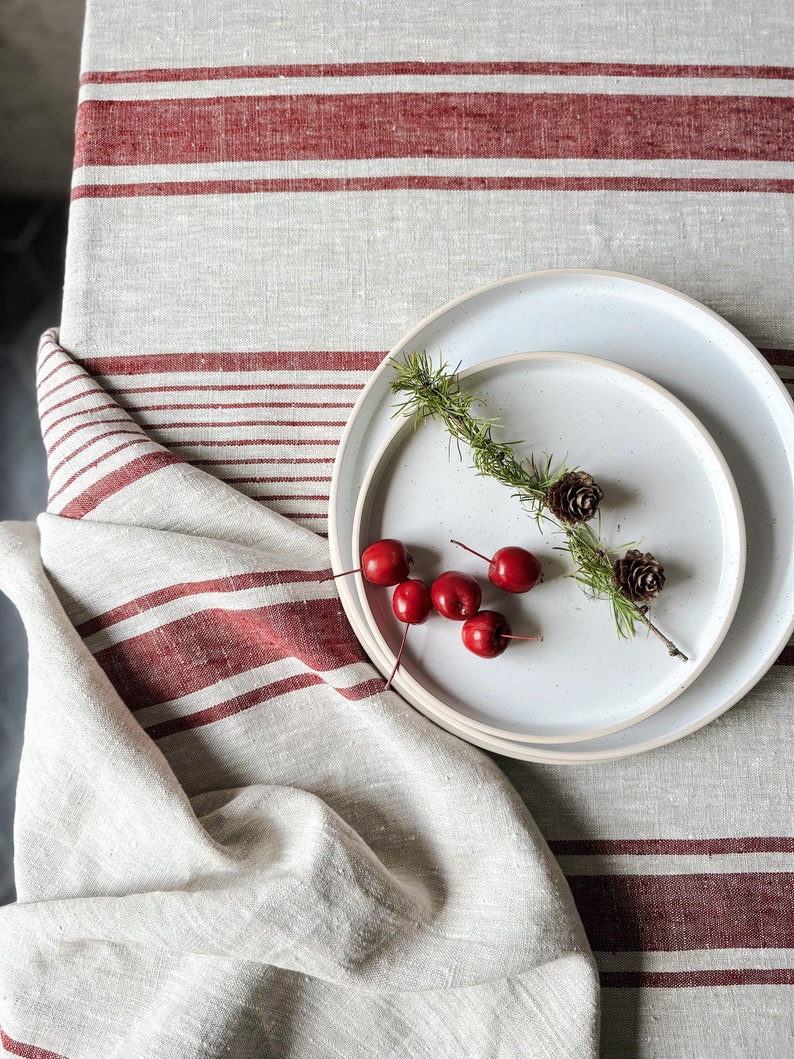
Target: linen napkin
[231, 840]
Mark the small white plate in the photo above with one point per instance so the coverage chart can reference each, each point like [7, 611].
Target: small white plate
[696, 355]
[667, 489]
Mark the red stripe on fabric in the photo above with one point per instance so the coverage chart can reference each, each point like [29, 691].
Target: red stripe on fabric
[223, 425]
[696, 979]
[233, 583]
[27, 1051]
[781, 357]
[217, 405]
[109, 406]
[257, 460]
[675, 847]
[52, 349]
[429, 183]
[379, 69]
[275, 479]
[58, 367]
[668, 913]
[229, 387]
[67, 382]
[243, 442]
[271, 360]
[194, 652]
[118, 480]
[433, 125]
[254, 698]
[91, 392]
[296, 496]
[87, 426]
[93, 441]
[95, 463]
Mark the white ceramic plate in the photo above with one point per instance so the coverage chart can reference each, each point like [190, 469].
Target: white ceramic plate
[698, 357]
[666, 485]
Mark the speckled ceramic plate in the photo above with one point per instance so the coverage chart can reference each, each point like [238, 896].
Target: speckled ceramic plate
[666, 486]
[696, 355]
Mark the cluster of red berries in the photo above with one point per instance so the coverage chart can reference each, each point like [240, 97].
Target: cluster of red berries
[454, 594]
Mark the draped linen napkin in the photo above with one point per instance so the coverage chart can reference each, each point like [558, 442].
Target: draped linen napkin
[231, 841]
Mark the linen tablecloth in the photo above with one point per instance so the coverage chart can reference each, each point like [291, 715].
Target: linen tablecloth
[265, 200]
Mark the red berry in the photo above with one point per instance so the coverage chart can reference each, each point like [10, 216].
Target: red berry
[511, 569]
[486, 634]
[386, 562]
[456, 595]
[411, 602]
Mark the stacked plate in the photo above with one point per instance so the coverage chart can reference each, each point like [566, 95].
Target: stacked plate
[689, 434]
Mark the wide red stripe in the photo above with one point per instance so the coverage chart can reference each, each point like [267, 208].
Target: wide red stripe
[786, 656]
[379, 69]
[231, 461]
[431, 183]
[677, 847]
[233, 583]
[243, 442]
[255, 697]
[696, 979]
[192, 653]
[229, 362]
[217, 424]
[118, 480]
[780, 357]
[229, 387]
[669, 913]
[435, 125]
[27, 1051]
[217, 405]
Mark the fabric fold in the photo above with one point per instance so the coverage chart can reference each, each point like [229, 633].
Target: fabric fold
[231, 840]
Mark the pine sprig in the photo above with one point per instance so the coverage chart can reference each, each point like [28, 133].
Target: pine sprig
[434, 393]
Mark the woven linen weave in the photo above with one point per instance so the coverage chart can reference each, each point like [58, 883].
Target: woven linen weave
[264, 202]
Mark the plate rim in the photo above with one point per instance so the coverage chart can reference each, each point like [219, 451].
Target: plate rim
[589, 755]
[411, 686]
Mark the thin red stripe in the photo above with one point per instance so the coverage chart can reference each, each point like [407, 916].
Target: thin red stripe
[696, 979]
[233, 583]
[228, 387]
[192, 653]
[95, 463]
[257, 460]
[670, 913]
[229, 362]
[379, 69]
[52, 349]
[296, 496]
[87, 445]
[275, 479]
[434, 125]
[224, 425]
[85, 426]
[118, 480]
[430, 183]
[109, 406]
[217, 405]
[67, 382]
[254, 698]
[58, 367]
[676, 847]
[242, 442]
[27, 1051]
[90, 392]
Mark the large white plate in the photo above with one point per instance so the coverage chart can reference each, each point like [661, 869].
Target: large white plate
[698, 357]
[666, 485]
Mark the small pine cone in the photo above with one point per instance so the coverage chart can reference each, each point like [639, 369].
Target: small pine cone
[639, 576]
[574, 498]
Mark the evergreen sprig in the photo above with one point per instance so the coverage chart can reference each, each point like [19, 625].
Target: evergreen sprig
[432, 392]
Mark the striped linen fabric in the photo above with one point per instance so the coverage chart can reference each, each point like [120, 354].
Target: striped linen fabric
[262, 205]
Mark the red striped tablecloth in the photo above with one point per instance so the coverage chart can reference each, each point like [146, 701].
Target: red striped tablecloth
[264, 202]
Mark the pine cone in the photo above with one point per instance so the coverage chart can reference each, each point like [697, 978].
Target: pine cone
[574, 498]
[639, 576]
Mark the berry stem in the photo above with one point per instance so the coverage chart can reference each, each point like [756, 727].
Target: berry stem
[344, 573]
[399, 656]
[510, 636]
[468, 549]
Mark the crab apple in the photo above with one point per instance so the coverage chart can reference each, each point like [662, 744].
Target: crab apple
[488, 633]
[412, 605]
[456, 595]
[511, 568]
[386, 562]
